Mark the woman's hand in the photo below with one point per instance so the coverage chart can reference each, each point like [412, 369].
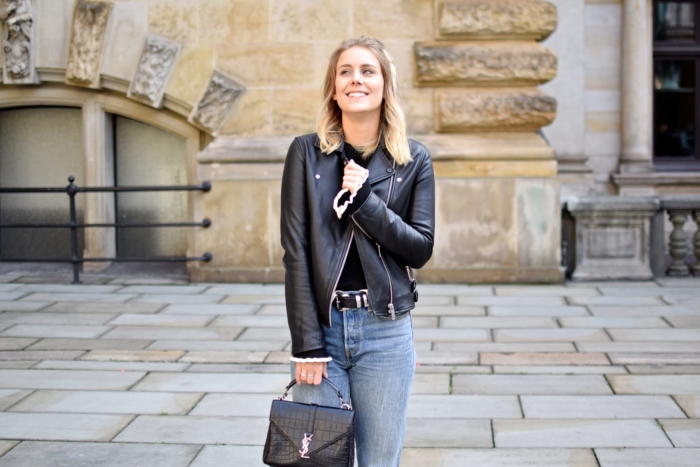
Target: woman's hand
[311, 372]
[354, 176]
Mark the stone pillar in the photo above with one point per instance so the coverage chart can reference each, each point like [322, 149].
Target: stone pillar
[637, 87]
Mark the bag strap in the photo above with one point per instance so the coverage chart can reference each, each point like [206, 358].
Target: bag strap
[343, 405]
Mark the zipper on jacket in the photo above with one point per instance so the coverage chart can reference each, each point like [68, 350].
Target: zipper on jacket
[391, 287]
[337, 279]
[391, 184]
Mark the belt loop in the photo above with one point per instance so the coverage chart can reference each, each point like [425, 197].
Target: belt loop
[358, 301]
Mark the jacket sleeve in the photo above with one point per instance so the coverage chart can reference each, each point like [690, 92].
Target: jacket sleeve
[302, 309]
[409, 240]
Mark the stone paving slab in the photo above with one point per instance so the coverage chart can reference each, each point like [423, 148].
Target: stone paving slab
[10, 296]
[55, 318]
[60, 379]
[678, 281]
[18, 355]
[18, 364]
[77, 297]
[504, 347]
[463, 406]
[550, 335]
[453, 369]
[530, 384]
[111, 308]
[548, 358]
[56, 331]
[655, 384]
[454, 289]
[641, 347]
[216, 456]
[195, 430]
[561, 310]
[250, 321]
[655, 358]
[111, 366]
[61, 427]
[278, 357]
[664, 369]
[264, 334]
[162, 320]
[612, 322]
[424, 322]
[246, 289]
[9, 397]
[90, 344]
[145, 332]
[617, 301]
[162, 289]
[684, 321]
[14, 343]
[648, 457]
[73, 288]
[600, 407]
[690, 301]
[451, 335]
[640, 311]
[544, 291]
[133, 355]
[498, 458]
[447, 358]
[147, 281]
[510, 301]
[447, 433]
[270, 310]
[9, 287]
[224, 356]
[430, 310]
[235, 405]
[254, 299]
[6, 446]
[211, 309]
[683, 433]
[578, 433]
[52, 454]
[109, 402]
[655, 335]
[213, 382]
[431, 384]
[23, 306]
[265, 346]
[182, 300]
[238, 368]
[559, 370]
[690, 404]
[652, 292]
[491, 322]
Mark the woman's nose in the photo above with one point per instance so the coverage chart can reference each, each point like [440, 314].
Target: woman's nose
[357, 77]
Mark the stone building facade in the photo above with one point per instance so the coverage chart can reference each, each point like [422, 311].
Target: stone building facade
[522, 103]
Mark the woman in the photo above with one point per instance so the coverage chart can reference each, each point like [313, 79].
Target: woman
[348, 254]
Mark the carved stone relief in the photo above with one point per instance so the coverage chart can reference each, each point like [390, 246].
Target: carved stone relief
[156, 65]
[498, 19]
[219, 100]
[87, 42]
[18, 17]
[502, 111]
[473, 63]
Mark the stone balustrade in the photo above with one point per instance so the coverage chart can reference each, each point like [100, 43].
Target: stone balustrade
[620, 237]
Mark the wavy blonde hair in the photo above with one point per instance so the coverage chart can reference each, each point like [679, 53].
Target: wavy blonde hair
[329, 124]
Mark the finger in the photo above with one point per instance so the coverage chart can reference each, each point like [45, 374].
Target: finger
[297, 374]
[318, 377]
[325, 370]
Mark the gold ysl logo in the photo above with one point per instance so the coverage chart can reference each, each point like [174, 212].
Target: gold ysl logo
[305, 445]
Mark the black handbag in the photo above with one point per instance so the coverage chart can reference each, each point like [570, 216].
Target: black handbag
[310, 435]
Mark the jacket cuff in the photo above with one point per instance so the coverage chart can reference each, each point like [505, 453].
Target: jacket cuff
[360, 197]
[312, 356]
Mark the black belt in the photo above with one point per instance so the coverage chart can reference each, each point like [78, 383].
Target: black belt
[351, 300]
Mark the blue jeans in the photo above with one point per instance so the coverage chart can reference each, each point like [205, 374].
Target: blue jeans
[373, 365]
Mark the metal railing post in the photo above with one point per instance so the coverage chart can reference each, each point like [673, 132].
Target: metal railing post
[72, 190]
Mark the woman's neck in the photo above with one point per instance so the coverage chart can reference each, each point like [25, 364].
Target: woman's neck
[360, 130]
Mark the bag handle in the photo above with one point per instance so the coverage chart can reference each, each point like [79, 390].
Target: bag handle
[343, 405]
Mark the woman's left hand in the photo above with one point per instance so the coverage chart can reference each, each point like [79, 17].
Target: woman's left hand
[354, 176]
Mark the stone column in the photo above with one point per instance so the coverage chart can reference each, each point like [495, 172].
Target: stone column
[637, 87]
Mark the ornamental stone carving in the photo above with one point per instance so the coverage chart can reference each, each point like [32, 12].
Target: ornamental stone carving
[156, 65]
[87, 43]
[508, 63]
[217, 103]
[502, 111]
[17, 17]
[497, 19]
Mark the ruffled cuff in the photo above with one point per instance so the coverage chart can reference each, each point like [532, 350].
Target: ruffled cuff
[312, 356]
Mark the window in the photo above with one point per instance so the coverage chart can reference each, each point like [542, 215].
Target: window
[676, 84]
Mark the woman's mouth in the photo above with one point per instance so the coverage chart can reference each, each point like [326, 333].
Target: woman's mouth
[357, 94]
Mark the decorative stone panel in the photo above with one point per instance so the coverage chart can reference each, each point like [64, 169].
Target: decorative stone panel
[507, 63]
[17, 17]
[87, 43]
[475, 110]
[217, 103]
[497, 19]
[156, 65]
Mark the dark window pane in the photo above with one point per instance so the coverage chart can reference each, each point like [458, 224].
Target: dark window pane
[674, 108]
[674, 21]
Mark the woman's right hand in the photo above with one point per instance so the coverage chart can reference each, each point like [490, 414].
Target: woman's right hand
[311, 372]
[354, 176]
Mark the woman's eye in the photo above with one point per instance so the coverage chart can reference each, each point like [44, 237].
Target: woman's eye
[368, 72]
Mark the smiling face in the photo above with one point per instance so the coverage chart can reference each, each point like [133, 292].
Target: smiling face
[359, 84]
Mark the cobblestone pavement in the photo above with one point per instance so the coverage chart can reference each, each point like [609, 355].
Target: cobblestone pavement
[131, 374]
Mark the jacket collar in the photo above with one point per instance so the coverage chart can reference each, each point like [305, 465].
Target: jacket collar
[380, 166]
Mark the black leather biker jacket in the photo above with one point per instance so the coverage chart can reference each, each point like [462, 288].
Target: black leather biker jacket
[393, 229]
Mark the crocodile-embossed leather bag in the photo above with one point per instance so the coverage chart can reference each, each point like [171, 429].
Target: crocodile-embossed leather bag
[310, 435]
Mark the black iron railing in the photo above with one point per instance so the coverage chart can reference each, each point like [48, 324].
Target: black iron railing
[71, 190]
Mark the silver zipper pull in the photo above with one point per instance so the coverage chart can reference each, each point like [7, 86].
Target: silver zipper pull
[391, 310]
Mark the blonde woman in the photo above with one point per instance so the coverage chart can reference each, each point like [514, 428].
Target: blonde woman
[358, 213]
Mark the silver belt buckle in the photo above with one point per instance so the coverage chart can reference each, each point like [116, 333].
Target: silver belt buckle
[337, 300]
[365, 299]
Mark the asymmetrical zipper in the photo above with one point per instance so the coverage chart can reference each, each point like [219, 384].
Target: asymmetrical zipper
[391, 287]
[340, 271]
